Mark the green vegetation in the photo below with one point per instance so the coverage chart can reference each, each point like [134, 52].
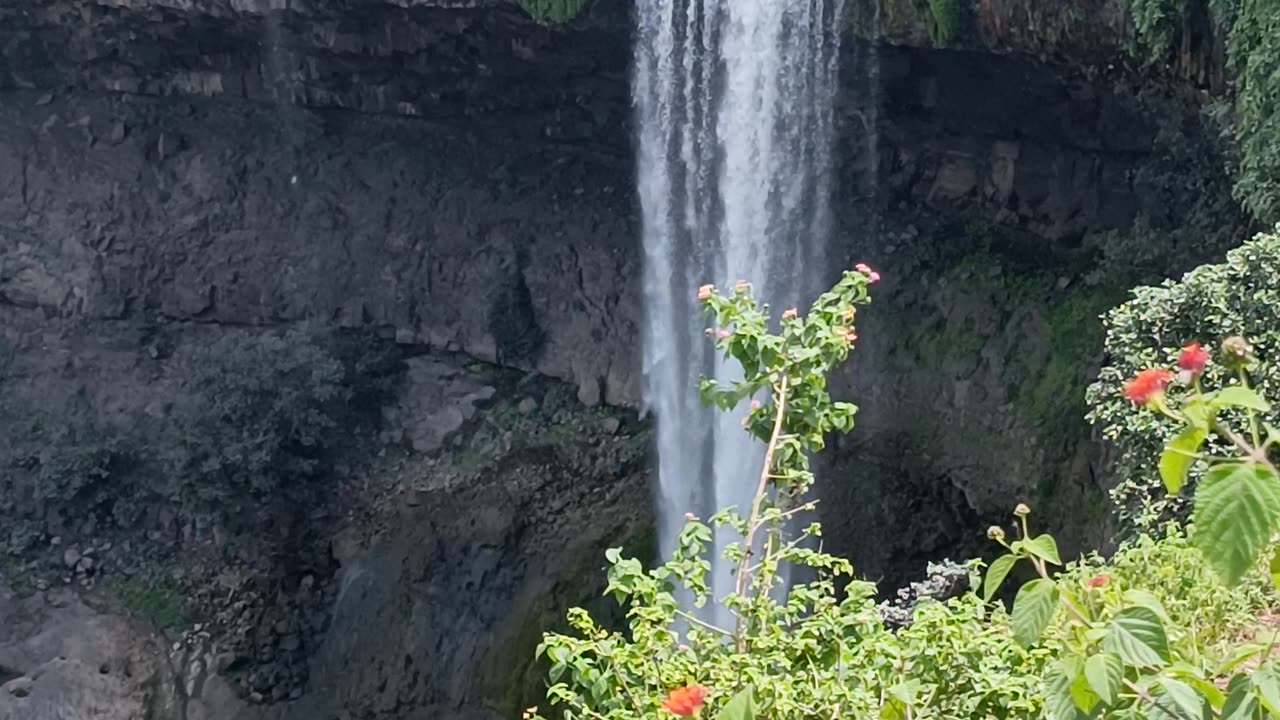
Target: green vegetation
[1169, 627]
[263, 410]
[1210, 303]
[158, 602]
[1252, 30]
[553, 11]
[945, 18]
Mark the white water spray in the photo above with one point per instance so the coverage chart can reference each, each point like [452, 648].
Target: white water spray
[735, 106]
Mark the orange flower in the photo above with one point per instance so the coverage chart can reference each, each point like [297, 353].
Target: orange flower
[1193, 358]
[847, 334]
[704, 292]
[1097, 581]
[685, 701]
[1147, 385]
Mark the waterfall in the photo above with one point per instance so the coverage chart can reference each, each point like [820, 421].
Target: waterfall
[734, 102]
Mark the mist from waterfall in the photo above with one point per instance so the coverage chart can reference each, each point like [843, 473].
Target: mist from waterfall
[735, 113]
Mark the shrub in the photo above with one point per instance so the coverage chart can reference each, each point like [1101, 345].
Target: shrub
[1165, 629]
[1210, 303]
[79, 455]
[263, 409]
[1253, 52]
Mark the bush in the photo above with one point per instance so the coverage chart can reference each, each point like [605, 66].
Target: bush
[1210, 303]
[1166, 629]
[79, 456]
[262, 411]
[1251, 28]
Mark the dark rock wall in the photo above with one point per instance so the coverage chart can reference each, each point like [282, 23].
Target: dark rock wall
[461, 178]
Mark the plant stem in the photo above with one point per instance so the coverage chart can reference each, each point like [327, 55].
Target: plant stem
[705, 625]
[762, 488]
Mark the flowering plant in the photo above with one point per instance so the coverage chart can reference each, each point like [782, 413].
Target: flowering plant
[1149, 633]
[1115, 653]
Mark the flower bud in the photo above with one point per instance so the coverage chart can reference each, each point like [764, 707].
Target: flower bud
[704, 292]
[995, 532]
[790, 313]
[1022, 510]
[690, 517]
[1236, 352]
[683, 648]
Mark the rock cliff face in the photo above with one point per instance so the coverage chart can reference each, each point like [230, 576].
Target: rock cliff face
[457, 178]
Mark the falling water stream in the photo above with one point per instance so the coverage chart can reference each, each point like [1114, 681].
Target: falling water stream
[735, 106]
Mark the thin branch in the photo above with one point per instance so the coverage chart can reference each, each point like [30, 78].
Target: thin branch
[703, 624]
[753, 520]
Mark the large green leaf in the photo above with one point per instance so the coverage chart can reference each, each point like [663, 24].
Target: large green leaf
[1138, 637]
[1032, 610]
[740, 706]
[1238, 396]
[1266, 682]
[1105, 673]
[1146, 599]
[1241, 703]
[1058, 699]
[1082, 695]
[996, 574]
[1178, 456]
[1045, 548]
[1179, 701]
[1236, 510]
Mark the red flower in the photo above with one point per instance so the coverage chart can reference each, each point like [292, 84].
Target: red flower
[685, 701]
[1147, 385]
[1193, 358]
[1097, 581]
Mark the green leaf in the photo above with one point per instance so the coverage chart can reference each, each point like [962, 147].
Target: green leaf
[1083, 696]
[1105, 673]
[1238, 396]
[1274, 567]
[1138, 637]
[739, 707]
[908, 692]
[1146, 599]
[1032, 610]
[1240, 703]
[996, 574]
[1044, 548]
[1199, 414]
[1268, 686]
[1236, 509]
[1178, 457]
[1192, 676]
[1178, 702]
[1058, 699]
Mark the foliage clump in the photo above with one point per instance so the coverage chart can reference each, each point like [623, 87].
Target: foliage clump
[1167, 628]
[1252, 30]
[263, 410]
[553, 11]
[1212, 302]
